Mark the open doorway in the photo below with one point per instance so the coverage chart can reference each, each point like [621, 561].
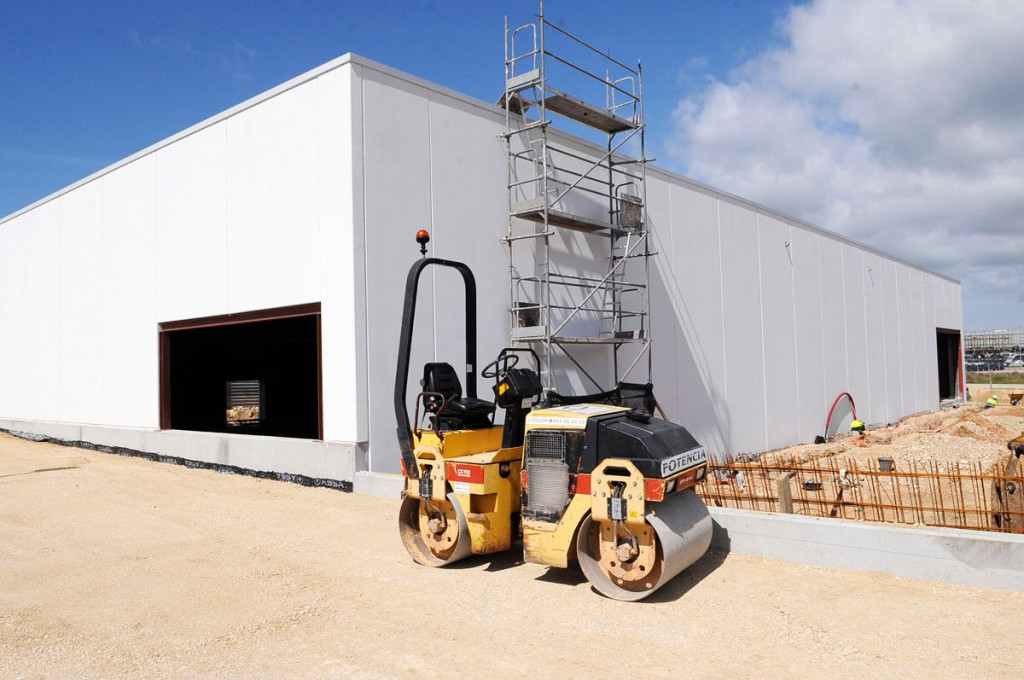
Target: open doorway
[949, 363]
[252, 373]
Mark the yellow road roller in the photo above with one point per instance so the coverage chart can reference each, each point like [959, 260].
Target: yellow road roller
[593, 479]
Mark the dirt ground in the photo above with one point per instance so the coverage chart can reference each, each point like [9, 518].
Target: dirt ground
[119, 567]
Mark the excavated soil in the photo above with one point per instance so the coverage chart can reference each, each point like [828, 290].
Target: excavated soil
[958, 436]
[124, 568]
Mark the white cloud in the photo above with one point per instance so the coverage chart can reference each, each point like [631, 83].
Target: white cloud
[897, 123]
[166, 43]
[238, 60]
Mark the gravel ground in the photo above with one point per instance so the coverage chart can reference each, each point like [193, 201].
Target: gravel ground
[117, 567]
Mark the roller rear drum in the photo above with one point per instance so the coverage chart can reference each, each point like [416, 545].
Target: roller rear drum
[630, 562]
[434, 532]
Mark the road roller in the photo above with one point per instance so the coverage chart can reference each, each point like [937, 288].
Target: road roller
[604, 484]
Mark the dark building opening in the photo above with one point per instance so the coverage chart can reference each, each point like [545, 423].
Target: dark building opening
[949, 363]
[252, 373]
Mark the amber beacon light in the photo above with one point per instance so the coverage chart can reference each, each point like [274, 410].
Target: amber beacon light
[423, 238]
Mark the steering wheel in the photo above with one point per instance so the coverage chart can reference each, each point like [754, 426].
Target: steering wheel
[499, 367]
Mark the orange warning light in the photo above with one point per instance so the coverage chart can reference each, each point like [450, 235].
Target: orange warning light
[423, 237]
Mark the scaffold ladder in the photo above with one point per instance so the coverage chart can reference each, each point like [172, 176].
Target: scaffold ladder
[564, 298]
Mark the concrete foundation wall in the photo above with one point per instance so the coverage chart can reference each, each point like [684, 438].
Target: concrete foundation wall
[339, 461]
[972, 558]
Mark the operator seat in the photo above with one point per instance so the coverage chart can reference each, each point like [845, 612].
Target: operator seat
[459, 412]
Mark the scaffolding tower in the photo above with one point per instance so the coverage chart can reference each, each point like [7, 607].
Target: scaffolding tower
[570, 292]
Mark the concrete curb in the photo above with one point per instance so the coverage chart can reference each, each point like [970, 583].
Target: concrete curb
[379, 484]
[284, 458]
[972, 558]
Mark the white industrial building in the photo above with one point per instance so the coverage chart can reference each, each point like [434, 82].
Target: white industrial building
[268, 246]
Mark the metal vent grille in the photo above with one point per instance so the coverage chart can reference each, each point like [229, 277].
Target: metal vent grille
[243, 393]
[244, 399]
[549, 487]
[547, 445]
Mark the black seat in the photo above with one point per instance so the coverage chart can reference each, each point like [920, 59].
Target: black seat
[459, 412]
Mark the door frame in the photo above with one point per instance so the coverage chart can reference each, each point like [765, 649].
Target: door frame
[165, 329]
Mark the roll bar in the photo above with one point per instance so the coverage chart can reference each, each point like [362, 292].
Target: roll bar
[405, 443]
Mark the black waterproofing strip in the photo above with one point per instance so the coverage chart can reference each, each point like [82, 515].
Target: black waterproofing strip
[194, 464]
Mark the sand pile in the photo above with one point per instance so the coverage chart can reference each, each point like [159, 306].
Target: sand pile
[962, 436]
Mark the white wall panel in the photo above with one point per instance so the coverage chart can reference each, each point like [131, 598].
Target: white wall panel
[925, 361]
[941, 304]
[12, 320]
[688, 277]
[273, 221]
[667, 352]
[779, 332]
[808, 318]
[130, 348]
[467, 172]
[42, 310]
[744, 349]
[833, 320]
[191, 213]
[343, 320]
[945, 314]
[891, 329]
[80, 398]
[877, 366]
[930, 339]
[908, 364]
[956, 313]
[397, 193]
[859, 380]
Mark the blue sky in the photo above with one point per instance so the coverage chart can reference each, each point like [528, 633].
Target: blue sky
[894, 122]
[89, 83]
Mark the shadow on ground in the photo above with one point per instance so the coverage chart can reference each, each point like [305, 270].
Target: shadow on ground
[573, 576]
[495, 562]
[53, 469]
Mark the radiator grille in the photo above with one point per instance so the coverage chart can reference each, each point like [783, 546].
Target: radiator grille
[547, 445]
[548, 486]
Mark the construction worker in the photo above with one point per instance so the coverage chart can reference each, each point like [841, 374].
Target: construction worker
[991, 401]
[857, 426]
